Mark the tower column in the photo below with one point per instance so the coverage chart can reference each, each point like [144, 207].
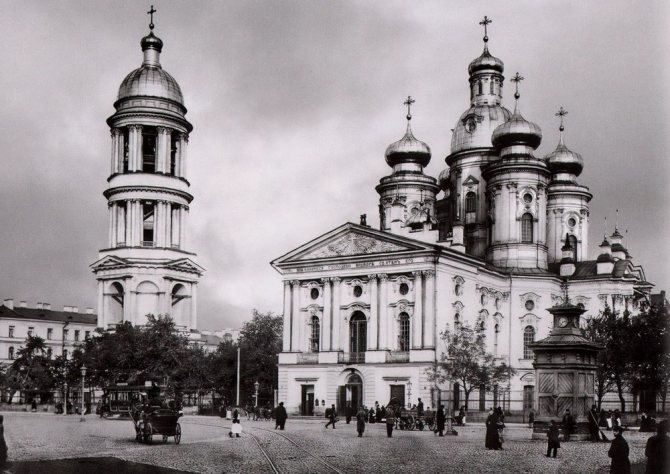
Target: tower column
[326, 320]
[337, 315]
[161, 133]
[286, 330]
[374, 314]
[180, 168]
[418, 310]
[183, 213]
[111, 209]
[429, 319]
[117, 166]
[159, 224]
[382, 310]
[295, 316]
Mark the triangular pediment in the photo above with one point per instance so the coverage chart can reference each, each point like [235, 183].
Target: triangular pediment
[352, 240]
[186, 265]
[109, 262]
[470, 180]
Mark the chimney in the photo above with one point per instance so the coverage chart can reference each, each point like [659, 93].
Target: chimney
[47, 306]
[89, 310]
[9, 303]
[23, 304]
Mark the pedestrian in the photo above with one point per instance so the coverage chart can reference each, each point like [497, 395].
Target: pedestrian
[568, 421]
[390, 420]
[500, 426]
[360, 421]
[419, 408]
[657, 450]
[332, 416]
[379, 413]
[594, 431]
[619, 453]
[349, 413]
[33, 406]
[552, 439]
[280, 416]
[610, 420]
[236, 429]
[491, 430]
[440, 420]
[531, 418]
[3, 445]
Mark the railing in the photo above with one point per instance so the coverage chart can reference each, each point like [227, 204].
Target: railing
[308, 358]
[351, 357]
[397, 356]
[148, 243]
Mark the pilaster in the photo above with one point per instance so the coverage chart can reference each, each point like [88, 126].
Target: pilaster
[326, 320]
[373, 338]
[295, 315]
[384, 325]
[428, 340]
[286, 331]
[337, 315]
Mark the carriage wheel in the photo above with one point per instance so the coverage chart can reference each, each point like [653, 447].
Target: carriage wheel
[165, 438]
[177, 434]
[148, 432]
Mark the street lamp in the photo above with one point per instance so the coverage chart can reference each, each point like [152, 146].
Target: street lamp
[256, 386]
[83, 374]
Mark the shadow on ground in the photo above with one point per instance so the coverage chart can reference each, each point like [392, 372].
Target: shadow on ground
[85, 465]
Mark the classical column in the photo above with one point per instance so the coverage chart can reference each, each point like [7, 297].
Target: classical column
[374, 315]
[134, 147]
[295, 316]
[176, 225]
[130, 222]
[138, 225]
[111, 208]
[382, 310]
[168, 224]
[182, 226]
[326, 329]
[161, 133]
[429, 311]
[161, 223]
[121, 224]
[337, 317]
[286, 332]
[117, 166]
[180, 167]
[418, 310]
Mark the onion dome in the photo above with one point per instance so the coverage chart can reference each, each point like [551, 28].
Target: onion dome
[443, 179]
[486, 62]
[562, 159]
[408, 149]
[517, 130]
[150, 80]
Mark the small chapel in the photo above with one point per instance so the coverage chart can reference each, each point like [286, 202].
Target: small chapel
[494, 241]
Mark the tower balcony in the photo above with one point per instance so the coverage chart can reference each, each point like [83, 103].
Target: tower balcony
[140, 185]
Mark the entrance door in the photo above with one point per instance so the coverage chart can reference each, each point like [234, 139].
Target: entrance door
[307, 400]
[528, 396]
[398, 392]
[358, 334]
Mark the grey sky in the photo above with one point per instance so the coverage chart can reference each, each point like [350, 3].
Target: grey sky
[293, 104]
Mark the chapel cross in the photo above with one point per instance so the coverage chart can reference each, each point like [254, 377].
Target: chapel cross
[561, 113]
[409, 103]
[516, 79]
[564, 287]
[151, 12]
[486, 21]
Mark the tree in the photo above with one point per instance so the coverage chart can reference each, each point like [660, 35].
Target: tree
[223, 363]
[30, 371]
[260, 342]
[468, 363]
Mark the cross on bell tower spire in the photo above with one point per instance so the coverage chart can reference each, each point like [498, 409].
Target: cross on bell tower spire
[485, 22]
[151, 13]
[408, 102]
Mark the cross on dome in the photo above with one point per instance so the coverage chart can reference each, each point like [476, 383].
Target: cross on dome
[408, 102]
[516, 79]
[485, 22]
[561, 113]
[151, 13]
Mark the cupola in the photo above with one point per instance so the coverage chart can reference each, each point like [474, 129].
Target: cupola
[408, 150]
[517, 135]
[564, 164]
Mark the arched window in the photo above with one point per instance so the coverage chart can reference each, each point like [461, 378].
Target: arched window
[315, 334]
[479, 88]
[528, 338]
[403, 333]
[572, 243]
[496, 331]
[358, 333]
[10, 355]
[527, 228]
[491, 83]
[457, 322]
[470, 202]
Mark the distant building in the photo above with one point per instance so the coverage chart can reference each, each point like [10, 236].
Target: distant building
[62, 331]
[210, 340]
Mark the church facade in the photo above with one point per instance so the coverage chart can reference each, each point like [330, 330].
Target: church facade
[494, 241]
[146, 267]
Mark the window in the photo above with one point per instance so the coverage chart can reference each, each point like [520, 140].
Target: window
[527, 228]
[10, 354]
[491, 82]
[87, 334]
[358, 291]
[471, 202]
[316, 333]
[314, 293]
[496, 331]
[76, 334]
[31, 331]
[173, 152]
[479, 88]
[457, 321]
[528, 198]
[148, 224]
[572, 243]
[528, 338]
[125, 149]
[149, 150]
[11, 331]
[50, 333]
[49, 353]
[358, 333]
[404, 288]
[65, 354]
[530, 305]
[65, 334]
[403, 333]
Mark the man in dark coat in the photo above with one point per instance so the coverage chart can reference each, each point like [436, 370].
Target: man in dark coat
[3, 445]
[360, 421]
[491, 430]
[552, 439]
[594, 431]
[568, 422]
[419, 408]
[440, 420]
[619, 453]
[349, 413]
[280, 416]
[390, 420]
[332, 416]
[658, 450]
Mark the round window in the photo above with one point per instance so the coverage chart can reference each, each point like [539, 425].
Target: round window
[528, 198]
[404, 288]
[314, 293]
[358, 291]
[572, 222]
[530, 305]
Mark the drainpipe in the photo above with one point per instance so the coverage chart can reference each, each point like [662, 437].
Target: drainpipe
[509, 346]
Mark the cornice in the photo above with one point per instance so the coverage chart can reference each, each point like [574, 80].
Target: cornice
[122, 189]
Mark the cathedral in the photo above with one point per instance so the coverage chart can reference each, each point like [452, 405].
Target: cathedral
[500, 236]
[146, 267]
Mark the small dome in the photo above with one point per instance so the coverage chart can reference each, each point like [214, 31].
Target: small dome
[476, 125]
[408, 150]
[517, 131]
[152, 41]
[563, 160]
[486, 61]
[150, 81]
[443, 179]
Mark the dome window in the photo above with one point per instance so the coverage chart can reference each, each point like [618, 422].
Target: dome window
[527, 228]
[149, 150]
[470, 202]
[528, 198]
[572, 222]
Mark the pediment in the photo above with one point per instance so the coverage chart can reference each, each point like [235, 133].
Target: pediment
[470, 180]
[109, 262]
[186, 265]
[352, 240]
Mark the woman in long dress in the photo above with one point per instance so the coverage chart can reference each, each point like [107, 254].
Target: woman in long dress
[491, 430]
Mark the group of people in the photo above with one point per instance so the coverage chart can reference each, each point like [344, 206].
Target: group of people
[495, 424]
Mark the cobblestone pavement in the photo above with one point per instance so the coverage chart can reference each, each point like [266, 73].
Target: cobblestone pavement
[206, 447]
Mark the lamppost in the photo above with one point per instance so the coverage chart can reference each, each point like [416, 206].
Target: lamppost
[83, 374]
[409, 393]
[256, 386]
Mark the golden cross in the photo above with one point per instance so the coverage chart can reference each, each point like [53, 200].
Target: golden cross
[516, 79]
[408, 102]
[561, 113]
[486, 21]
[151, 12]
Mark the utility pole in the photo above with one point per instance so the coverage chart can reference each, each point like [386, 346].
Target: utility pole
[238, 377]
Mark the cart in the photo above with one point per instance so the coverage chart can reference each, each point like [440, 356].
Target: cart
[156, 421]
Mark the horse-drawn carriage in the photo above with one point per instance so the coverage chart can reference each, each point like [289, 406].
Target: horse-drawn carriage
[150, 421]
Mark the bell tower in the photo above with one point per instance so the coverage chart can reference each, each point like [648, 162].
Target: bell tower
[146, 267]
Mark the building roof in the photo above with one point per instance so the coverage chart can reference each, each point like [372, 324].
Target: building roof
[48, 315]
[589, 269]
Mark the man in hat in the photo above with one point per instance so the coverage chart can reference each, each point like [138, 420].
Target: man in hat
[657, 450]
[568, 422]
[619, 453]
